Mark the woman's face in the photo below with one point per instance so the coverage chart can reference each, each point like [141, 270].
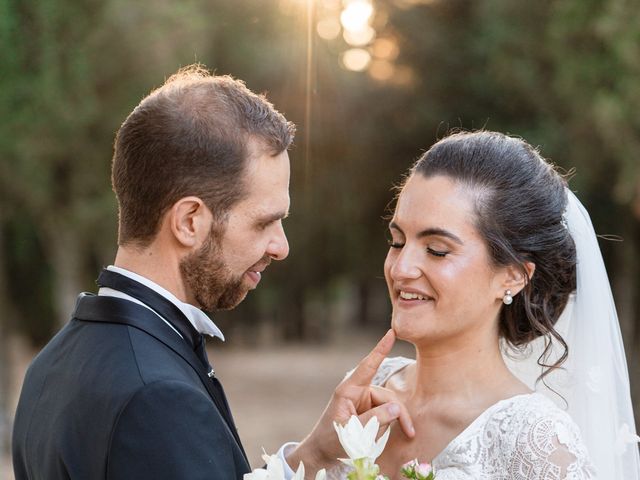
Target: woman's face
[440, 278]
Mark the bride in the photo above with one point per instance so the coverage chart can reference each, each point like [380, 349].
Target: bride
[484, 244]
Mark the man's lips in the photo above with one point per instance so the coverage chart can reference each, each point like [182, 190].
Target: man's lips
[254, 276]
[255, 272]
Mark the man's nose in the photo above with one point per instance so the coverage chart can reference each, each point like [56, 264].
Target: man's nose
[278, 247]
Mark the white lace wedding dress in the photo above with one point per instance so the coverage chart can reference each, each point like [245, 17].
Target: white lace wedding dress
[526, 437]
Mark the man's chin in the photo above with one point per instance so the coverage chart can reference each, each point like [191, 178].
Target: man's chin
[230, 301]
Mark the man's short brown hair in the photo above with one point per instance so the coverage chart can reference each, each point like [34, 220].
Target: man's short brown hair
[189, 137]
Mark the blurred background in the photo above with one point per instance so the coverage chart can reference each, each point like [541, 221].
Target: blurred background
[371, 84]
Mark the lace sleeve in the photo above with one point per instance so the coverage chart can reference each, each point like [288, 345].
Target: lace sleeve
[550, 448]
[387, 368]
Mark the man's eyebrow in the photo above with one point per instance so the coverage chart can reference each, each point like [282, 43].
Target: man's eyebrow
[428, 232]
[273, 217]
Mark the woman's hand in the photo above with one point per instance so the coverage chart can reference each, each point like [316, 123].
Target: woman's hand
[353, 396]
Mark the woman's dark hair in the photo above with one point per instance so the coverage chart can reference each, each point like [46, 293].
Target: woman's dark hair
[519, 203]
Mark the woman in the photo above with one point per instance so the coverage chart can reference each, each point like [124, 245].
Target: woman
[481, 265]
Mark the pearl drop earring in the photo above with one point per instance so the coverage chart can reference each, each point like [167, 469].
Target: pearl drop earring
[507, 299]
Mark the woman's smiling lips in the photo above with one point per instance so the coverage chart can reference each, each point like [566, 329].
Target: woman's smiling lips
[407, 297]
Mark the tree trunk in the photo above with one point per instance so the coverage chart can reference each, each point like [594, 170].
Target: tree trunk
[8, 317]
[66, 256]
[292, 320]
[364, 291]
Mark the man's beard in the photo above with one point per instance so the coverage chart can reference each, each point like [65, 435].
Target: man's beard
[209, 279]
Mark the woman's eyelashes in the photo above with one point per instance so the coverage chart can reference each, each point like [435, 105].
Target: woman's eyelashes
[440, 253]
[437, 253]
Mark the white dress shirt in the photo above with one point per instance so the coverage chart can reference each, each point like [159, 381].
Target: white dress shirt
[200, 321]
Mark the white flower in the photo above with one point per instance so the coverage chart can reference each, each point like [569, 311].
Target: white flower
[257, 474]
[274, 470]
[360, 442]
[299, 475]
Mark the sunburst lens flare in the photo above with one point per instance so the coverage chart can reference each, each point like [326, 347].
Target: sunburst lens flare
[328, 28]
[386, 49]
[356, 15]
[356, 59]
[359, 38]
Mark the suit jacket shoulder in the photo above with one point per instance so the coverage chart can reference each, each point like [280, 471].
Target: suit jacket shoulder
[117, 382]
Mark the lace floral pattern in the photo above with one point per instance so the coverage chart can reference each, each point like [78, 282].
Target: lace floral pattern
[526, 437]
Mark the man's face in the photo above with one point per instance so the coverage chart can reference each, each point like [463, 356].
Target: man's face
[230, 262]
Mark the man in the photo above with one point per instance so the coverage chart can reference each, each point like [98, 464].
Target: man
[125, 390]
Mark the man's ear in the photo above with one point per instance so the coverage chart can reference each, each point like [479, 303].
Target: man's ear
[515, 279]
[190, 221]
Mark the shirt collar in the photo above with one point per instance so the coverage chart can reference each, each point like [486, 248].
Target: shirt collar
[200, 320]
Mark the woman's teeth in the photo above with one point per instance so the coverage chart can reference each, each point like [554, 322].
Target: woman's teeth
[411, 296]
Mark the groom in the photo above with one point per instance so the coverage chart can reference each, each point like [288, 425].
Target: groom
[125, 390]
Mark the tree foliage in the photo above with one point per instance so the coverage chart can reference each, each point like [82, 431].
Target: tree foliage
[560, 73]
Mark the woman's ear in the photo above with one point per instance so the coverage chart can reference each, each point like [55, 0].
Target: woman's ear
[515, 279]
[190, 221]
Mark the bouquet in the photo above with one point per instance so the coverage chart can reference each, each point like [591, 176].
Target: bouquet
[362, 448]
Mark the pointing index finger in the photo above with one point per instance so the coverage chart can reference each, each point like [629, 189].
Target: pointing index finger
[368, 366]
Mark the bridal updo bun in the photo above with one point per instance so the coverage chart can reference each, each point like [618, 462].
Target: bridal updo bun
[519, 202]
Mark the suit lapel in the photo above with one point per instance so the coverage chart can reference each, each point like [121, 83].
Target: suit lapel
[152, 299]
[93, 308]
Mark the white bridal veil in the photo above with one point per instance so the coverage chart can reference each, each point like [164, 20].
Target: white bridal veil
[594, 380]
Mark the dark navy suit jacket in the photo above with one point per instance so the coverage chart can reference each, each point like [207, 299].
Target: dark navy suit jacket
[117, 394]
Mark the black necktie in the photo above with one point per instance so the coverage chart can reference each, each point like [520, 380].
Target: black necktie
[172, 314]
[201, 352]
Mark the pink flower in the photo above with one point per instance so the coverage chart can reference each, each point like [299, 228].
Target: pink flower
[423, 469]
[415, 470]
[412, 464]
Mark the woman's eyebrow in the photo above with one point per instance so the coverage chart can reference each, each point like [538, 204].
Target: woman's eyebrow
[440, 232]
[395, 226]
[427, 232]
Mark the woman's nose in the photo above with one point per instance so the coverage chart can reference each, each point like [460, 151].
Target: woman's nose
[405, 265]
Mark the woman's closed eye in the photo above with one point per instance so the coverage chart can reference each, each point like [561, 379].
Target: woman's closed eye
[437, 253]
[440, 253]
